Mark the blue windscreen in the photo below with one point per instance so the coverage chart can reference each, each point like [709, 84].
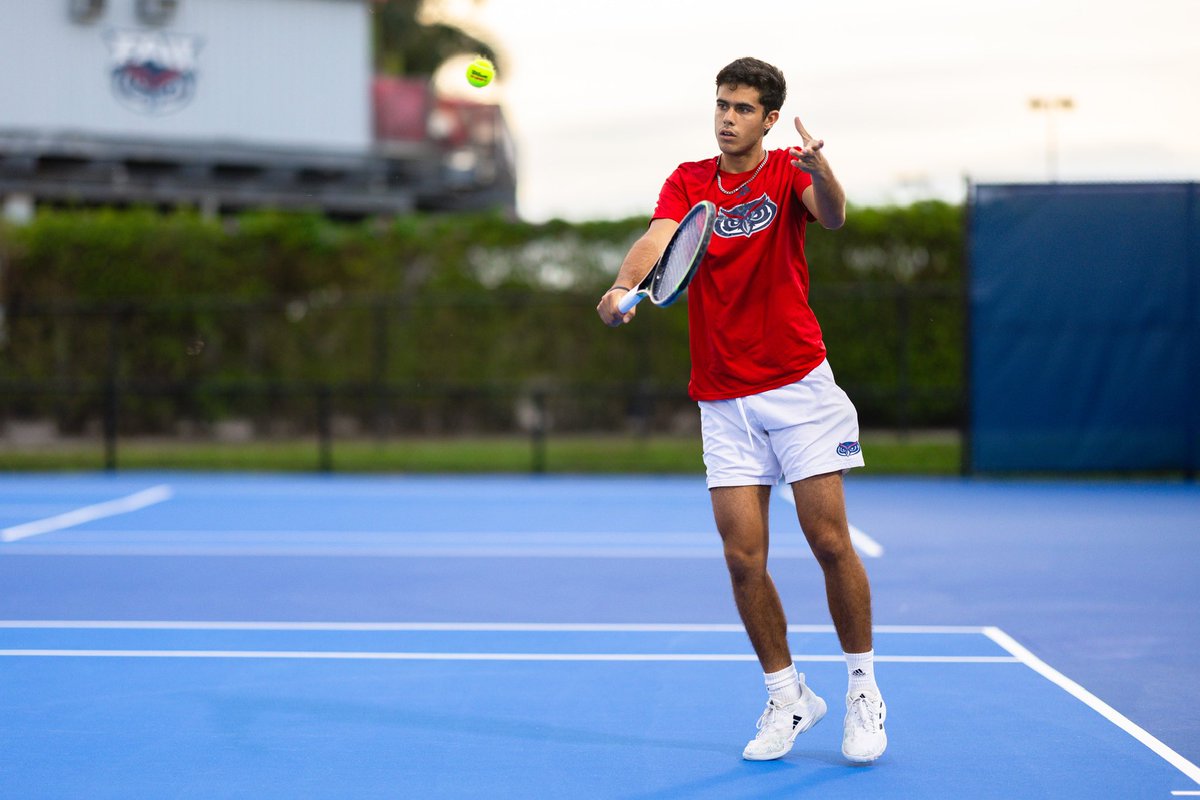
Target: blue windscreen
[1084, 342]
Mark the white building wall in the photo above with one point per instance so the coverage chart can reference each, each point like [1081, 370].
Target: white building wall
[287, 73]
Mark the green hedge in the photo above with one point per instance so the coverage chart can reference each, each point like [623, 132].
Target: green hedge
[207, 318]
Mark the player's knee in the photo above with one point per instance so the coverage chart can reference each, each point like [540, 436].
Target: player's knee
[831, 548]
[745, 563]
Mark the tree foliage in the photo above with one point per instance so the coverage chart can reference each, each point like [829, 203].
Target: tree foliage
[425, 305]
[405, 44]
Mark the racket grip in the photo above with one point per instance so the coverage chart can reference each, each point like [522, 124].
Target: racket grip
[630, 300]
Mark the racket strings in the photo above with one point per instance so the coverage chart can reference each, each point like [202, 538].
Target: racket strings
[677, 265]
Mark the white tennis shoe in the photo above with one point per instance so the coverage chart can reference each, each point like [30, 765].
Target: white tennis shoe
[779, 725]
[864, 739]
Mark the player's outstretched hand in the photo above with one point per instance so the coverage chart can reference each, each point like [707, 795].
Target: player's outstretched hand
[608, 311]
[808, 156]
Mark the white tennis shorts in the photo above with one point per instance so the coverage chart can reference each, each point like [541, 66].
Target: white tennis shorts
[807, 428]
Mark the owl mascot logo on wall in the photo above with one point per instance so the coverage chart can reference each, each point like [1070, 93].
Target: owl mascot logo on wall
[153, 72]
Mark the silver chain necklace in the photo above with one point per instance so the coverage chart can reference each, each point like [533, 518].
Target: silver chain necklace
[746, 183]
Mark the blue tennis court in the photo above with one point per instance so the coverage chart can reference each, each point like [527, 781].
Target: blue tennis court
[192, 635]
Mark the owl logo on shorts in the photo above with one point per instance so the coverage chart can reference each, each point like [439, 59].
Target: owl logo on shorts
[747, 219]
[848, 449]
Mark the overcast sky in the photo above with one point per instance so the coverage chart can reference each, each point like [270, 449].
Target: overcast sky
[606, 98]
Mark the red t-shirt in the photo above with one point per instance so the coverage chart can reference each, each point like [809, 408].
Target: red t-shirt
[750, 326]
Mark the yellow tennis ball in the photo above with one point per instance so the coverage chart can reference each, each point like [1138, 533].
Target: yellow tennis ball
[481, 72]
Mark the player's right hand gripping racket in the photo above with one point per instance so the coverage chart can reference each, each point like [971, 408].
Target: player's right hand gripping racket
[668, 278]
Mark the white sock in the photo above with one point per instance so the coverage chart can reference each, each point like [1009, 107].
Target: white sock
[861, 668]
[783, 686]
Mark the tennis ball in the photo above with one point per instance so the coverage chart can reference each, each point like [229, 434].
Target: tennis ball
[480, 72]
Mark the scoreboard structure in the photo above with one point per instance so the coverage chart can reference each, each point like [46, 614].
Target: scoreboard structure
[226, 105]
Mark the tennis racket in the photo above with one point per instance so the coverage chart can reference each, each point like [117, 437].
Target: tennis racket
[668, 278]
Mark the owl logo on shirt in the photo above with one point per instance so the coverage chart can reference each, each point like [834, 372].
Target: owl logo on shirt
[746, 219]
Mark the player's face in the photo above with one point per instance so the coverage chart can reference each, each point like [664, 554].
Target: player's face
[740, 120]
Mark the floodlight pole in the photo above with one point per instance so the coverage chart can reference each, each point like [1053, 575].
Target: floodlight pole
[1051, 105]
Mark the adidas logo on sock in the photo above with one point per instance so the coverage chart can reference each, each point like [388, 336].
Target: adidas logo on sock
[858, 673]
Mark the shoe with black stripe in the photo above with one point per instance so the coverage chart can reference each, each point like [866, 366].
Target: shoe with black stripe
[779, 725]
[864, 738]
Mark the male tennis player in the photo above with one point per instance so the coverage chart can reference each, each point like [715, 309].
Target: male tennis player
[769, 406]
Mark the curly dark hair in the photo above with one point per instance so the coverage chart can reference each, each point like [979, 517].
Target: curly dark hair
[772, 88]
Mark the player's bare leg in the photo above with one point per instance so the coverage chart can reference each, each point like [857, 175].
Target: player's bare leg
[741, 516]
[821, 507]
[792, 708]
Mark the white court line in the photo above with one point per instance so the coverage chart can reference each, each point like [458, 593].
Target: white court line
[865, 544]
[208, 625]
[1095, 703]
[861, 541]
[1018, 653]
[422, 656]
[1186, 793]
[286, 551]
[561, 627]
[122, 505]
